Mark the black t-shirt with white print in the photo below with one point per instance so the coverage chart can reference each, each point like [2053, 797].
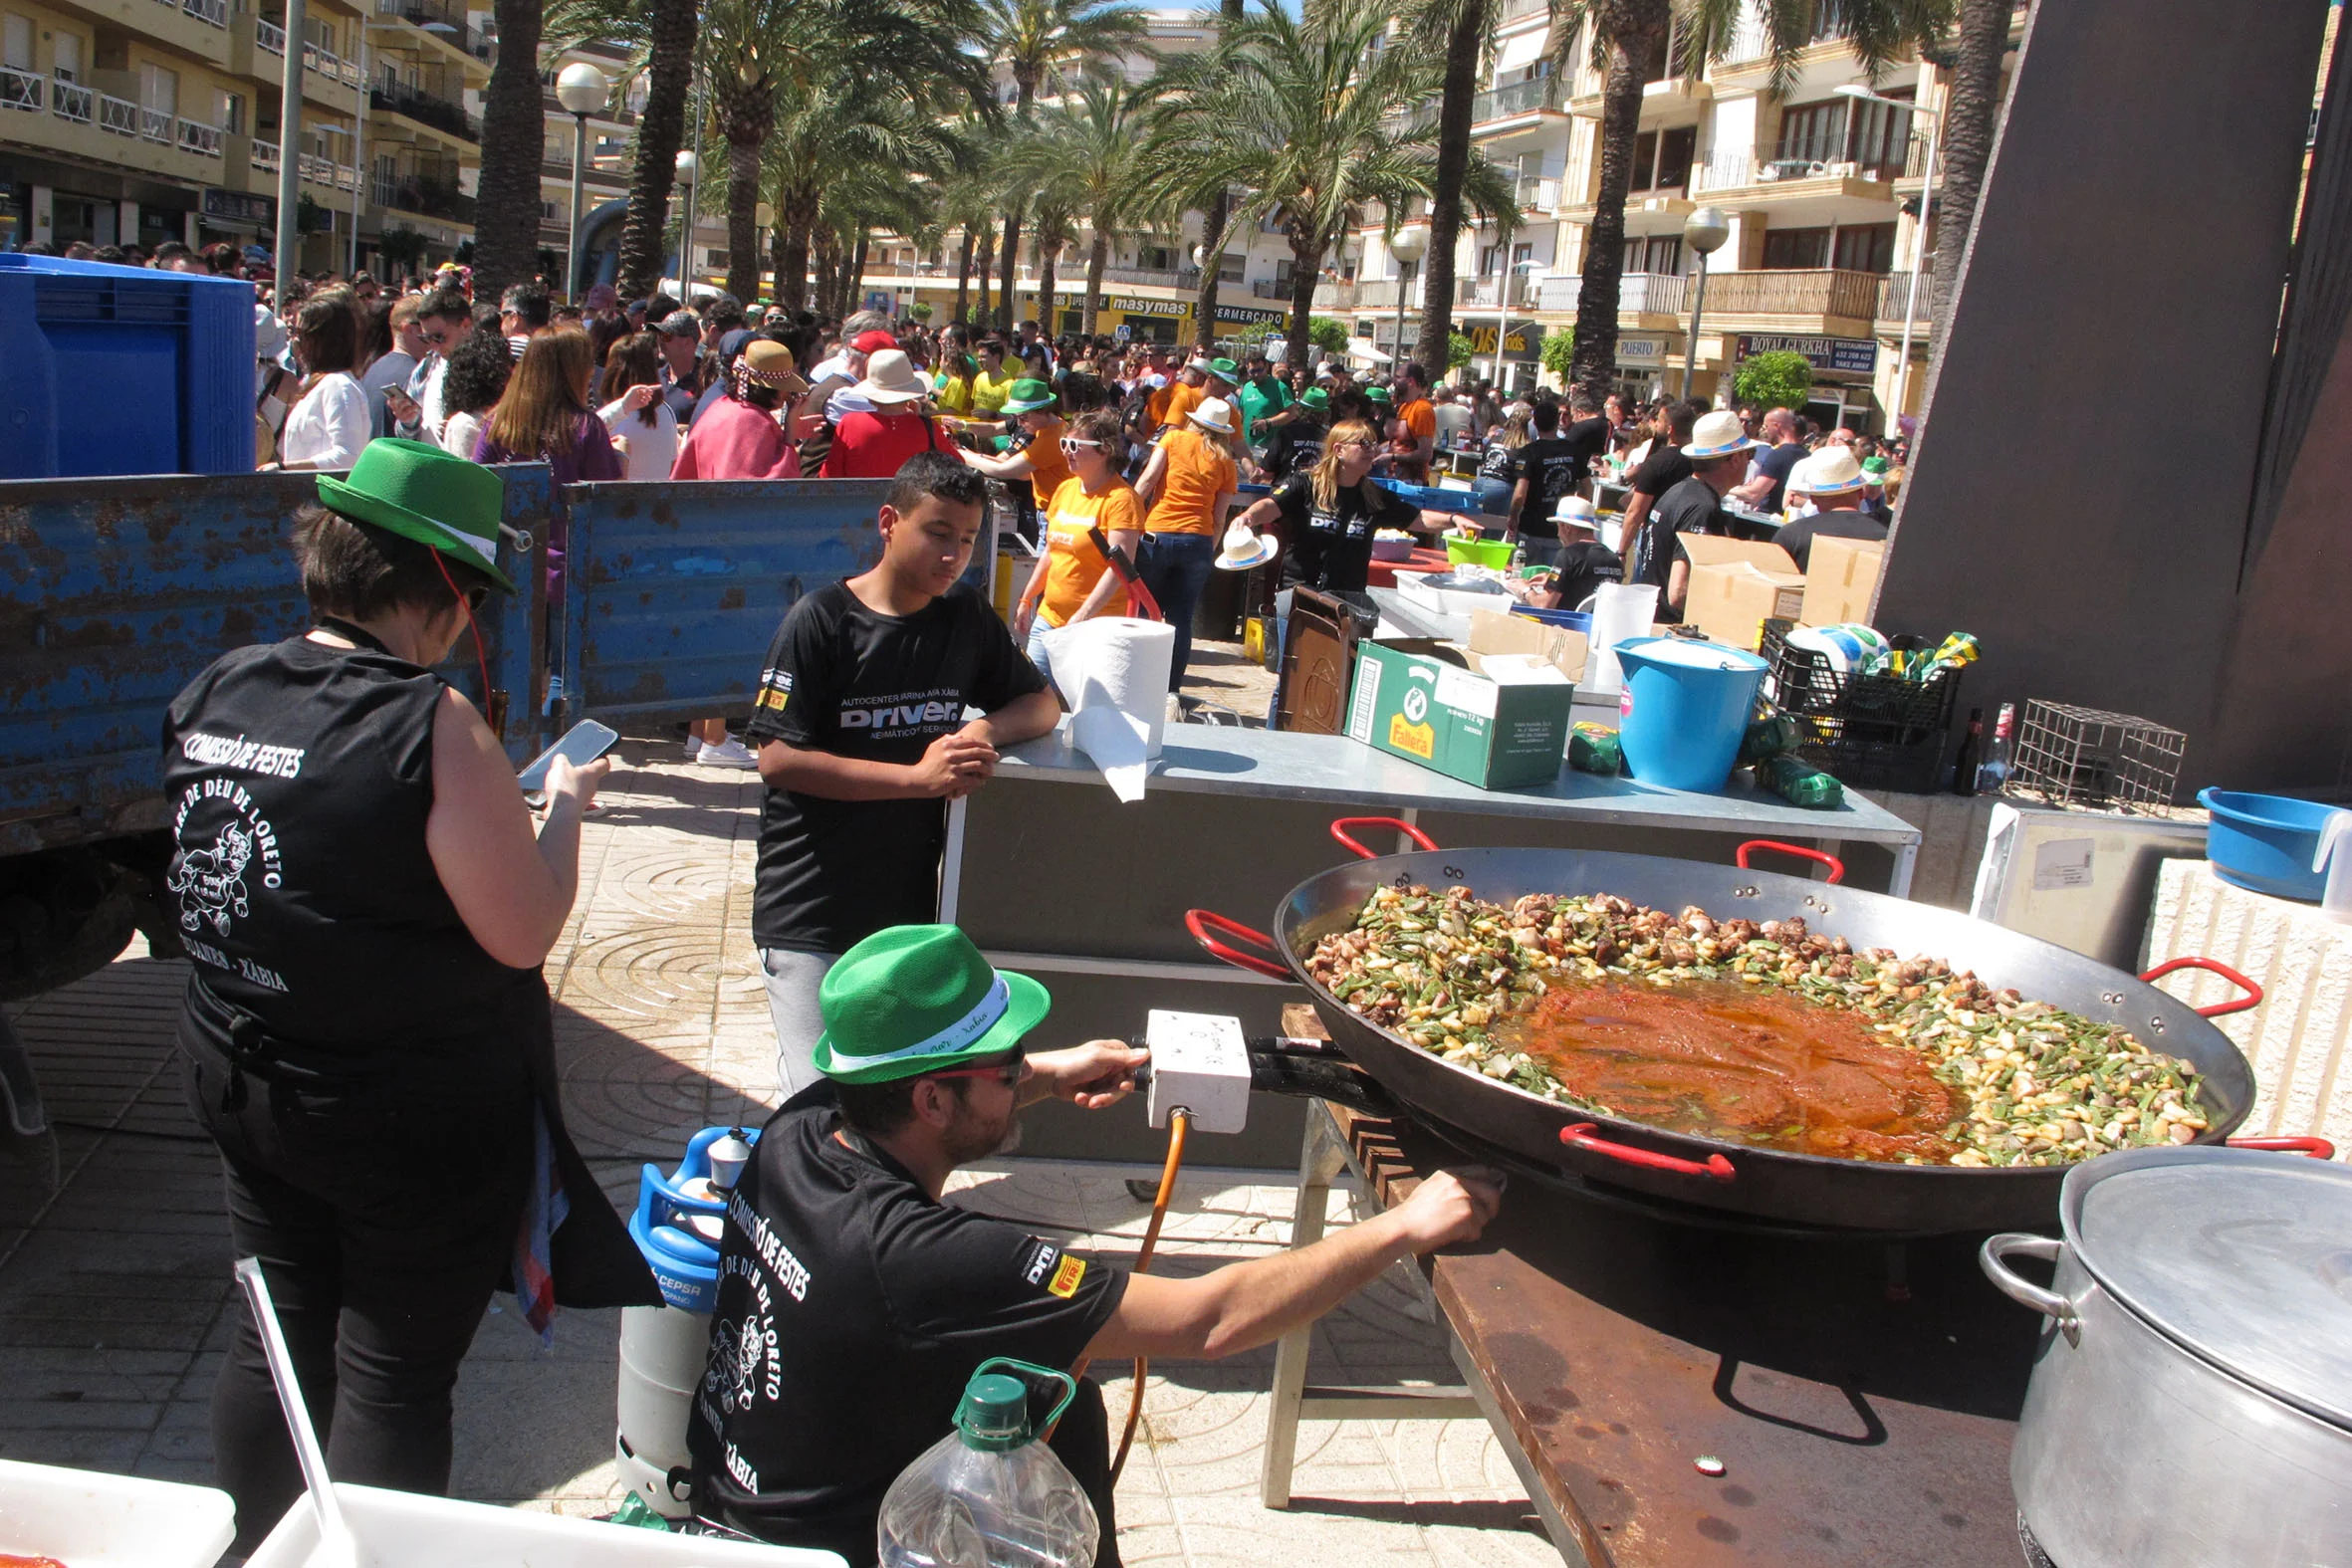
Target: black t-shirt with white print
[844, 679]
[852, 1308]
[1331, 548]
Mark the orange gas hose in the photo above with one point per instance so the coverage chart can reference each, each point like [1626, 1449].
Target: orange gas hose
[1179, 1122]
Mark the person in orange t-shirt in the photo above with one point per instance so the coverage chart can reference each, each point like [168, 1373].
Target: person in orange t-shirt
[1035, 454]
[1190, 485]
[1073, 580]
[1189, 392]
[1417, 418]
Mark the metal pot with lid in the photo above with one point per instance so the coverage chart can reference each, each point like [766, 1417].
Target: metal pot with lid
[2192, 1394]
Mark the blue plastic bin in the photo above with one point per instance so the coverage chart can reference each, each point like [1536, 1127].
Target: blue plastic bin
[2265, 843]
[1568, 620]
[1433, 497]
[123, 371]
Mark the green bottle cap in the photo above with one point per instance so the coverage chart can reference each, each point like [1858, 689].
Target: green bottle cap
[994, 1417]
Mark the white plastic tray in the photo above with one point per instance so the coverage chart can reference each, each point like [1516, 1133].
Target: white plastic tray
[397, 1529]
[84, 1518]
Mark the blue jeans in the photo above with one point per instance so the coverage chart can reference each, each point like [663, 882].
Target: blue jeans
[1493, 495]
[1176, 569]
[1036, 649]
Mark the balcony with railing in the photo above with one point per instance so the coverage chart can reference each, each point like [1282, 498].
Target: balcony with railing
[1536, 95]
[1380, 294]
[21, 89]
[117, 115]
[1520, 10]
[1153, 276]
[155, 125]
[1811, 293]
[197, 137]
[1895, 289]
[72, 101]
[213, 13]
[1514, 291]
[1537, 194]
[1804, 159]
[264, 156]
[328, 173]
[269, 38]
[427, 109]
[445, 22]
[429, 195]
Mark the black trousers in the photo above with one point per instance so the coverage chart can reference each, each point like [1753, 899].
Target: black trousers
[382, 1234]
[1083, 1444]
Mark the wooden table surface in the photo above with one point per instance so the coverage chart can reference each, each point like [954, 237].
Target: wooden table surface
[1860, 1395]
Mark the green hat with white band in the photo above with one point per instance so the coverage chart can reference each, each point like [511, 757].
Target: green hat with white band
[420, 491]
[911, 999]
[1027, 395]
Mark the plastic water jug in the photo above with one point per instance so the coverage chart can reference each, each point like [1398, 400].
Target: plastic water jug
[989, 1495]
[665, 1349]
[1621, 612]
[2334, 856]
[1684, 709]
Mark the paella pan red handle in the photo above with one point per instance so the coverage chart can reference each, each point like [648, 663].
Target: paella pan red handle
[1339, 831]
[2252, 998]
[2316, 1147]
[1585, 1135]
[1837, 867]
[1208, 927]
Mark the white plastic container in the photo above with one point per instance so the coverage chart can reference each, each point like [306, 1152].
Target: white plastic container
[1621, 612]
[990, 1494]
[397, 1529]
[84, 1518]
[2334, 856]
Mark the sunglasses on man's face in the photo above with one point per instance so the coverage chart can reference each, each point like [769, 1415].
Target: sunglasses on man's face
[1008, 1072]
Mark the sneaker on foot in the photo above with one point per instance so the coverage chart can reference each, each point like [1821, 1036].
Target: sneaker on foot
[733, 754]
[693, 746]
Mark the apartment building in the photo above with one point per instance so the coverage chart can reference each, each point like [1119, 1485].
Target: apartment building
[1823, 193]
[135, 121]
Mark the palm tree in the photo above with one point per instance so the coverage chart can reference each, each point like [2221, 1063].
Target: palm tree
[1308, 119]
[1043, 43]
[1970, 103]
[665, 54]
[1213, 230]
[1460, 28]
[1084, 162]
[1628, 40]
[506, 224]
[827, 141]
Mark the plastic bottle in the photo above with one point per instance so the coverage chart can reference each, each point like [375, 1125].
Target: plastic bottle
[988, 1495]
[1994, 771]
[1800, 784]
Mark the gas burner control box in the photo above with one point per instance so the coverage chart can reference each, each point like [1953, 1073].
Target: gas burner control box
[1200, 1062]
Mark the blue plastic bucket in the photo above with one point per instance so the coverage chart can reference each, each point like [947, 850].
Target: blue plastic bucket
[1684, 708]
[2265, 843]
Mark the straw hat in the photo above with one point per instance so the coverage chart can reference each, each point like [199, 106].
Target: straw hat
[1215, 414]
[891, 379]
[1244, 550]
[771, 364]
[1718, 434]
[1831, 470]
[1576, 512]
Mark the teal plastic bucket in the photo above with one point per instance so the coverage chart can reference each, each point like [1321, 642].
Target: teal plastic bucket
[1684, 707]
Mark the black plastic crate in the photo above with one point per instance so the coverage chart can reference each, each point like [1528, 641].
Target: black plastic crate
[1873, 732]
[1916, 768]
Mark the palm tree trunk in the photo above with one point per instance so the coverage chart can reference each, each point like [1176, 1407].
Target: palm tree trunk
[1969, 111]
[661, 125]
[1307, 266]
[1465, 43]
[1637, 37]
[854, 282]
[797, 207]
[506, 223]
[1008, 298]
[1097, 257]
[987, 250]
[1204, 303]
[1049, 255]
[963, 276]
[742, 216]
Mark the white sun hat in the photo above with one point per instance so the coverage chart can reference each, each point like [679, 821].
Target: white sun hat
[1216, 414]
[1718, 434]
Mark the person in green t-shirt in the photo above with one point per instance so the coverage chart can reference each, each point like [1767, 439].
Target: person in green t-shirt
[1260, 394]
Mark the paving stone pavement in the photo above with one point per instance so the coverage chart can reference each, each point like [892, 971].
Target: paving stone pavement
[115, 1303]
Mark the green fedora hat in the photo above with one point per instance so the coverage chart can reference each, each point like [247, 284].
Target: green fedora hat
[1378, 394]
[1314, 397]
[1226, 370]
[422, 493]
[911, 999]
[1027, 395]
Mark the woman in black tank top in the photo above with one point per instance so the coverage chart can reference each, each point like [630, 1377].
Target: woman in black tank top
[368, 1033]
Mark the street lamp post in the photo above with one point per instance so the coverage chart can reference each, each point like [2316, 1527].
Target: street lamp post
[582, 89]
[1408, 248]
[1919, 240]
[1703, 231]
[687, 165]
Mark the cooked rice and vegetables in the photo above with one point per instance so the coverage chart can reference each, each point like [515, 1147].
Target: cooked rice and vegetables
[1760, 1033]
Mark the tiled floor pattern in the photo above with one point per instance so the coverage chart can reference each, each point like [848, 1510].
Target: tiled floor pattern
[113, 1294]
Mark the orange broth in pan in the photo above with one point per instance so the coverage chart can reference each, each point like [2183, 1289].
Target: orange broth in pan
[1740, 1063]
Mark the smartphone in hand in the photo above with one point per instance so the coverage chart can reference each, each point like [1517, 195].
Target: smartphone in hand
[583, 744]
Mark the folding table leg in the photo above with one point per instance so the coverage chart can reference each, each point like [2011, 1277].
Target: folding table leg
[1321, 1157]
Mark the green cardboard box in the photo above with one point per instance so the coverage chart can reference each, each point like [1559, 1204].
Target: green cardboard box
[1494, 721]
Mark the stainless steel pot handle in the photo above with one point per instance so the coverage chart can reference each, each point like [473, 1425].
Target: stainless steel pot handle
[1993, 1255]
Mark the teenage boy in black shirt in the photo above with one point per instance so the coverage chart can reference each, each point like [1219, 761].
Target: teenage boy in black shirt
[860, 727]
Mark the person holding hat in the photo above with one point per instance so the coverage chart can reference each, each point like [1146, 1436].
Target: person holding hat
[1717, 452]
[1583, 564]
[1835, 482]
[1189, 484]
[1035, 454]
[872, 443]
[367, 1033]
[853, 1305]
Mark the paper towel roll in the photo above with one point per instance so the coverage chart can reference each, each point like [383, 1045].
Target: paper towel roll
[1120, 663]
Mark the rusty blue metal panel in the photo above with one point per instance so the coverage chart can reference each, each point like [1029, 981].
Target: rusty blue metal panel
[676, 589]
[115, 593]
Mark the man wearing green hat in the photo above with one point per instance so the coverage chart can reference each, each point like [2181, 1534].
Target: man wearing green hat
[1261, 393]
[853, 1305]
[1295, 437]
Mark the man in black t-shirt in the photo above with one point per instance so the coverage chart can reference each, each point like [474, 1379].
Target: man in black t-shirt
[1717, 452]
[1836, 483]
[1583, 564]
[859, 727]
[1553, 464]
[853, 1305]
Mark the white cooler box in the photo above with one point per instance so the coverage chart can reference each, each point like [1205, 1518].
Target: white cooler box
[399, 1529]
[84, 1518]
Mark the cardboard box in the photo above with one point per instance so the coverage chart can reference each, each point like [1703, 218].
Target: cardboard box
[1841, 578]
[1556, 645]
[1492, 718]
[1737, 585]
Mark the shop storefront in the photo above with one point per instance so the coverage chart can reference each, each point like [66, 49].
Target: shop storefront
[1516, 366]
[237, 217]
[1643, 363]
[1844, 373]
